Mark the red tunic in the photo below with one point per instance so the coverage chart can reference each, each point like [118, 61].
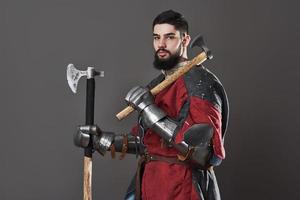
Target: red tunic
[165, 181]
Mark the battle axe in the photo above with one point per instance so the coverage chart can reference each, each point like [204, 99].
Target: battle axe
[73, 76]
[199, 59]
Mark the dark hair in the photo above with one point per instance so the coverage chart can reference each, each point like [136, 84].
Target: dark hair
[174, 18]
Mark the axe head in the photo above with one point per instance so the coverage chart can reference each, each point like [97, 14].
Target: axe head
[199, 42]
[73, 75]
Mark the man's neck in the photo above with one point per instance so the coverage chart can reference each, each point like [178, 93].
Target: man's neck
[169, 72]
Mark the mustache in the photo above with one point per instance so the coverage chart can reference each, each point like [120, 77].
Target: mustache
[162, 50]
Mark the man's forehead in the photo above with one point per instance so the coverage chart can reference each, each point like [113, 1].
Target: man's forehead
[165, 29]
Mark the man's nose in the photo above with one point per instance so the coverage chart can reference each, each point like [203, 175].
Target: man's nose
[162, 43]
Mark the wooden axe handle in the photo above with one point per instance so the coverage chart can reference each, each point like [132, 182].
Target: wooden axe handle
[200, 58]
[87, 178]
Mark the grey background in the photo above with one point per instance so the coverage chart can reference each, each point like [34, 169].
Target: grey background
[256, 49]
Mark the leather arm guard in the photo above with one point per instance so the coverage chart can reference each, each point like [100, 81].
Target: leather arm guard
[106, 141]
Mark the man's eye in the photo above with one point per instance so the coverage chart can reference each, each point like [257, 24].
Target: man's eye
[170, 37]
[156, 38]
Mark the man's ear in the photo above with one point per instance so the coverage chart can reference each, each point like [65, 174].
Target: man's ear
[186, 40]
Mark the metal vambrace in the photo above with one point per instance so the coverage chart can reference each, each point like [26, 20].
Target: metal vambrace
[116, 143]
[196, 144]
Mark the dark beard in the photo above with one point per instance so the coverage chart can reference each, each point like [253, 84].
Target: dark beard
[166, 64]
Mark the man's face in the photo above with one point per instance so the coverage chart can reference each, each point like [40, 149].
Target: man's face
[166, 41]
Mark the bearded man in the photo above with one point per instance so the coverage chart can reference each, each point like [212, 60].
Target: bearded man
[180, 132]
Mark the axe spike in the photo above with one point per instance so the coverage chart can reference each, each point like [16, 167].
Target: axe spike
[199, 42]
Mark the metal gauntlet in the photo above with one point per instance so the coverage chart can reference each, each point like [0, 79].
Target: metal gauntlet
[103, 142]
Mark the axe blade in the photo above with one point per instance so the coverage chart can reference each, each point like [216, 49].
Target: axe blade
[73, 76]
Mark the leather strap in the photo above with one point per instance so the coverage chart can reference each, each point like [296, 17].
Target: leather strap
[113, 151]
[171, 160]
[187, 156]
[124, 147]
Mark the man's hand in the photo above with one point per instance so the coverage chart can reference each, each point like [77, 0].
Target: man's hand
[139, 98]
